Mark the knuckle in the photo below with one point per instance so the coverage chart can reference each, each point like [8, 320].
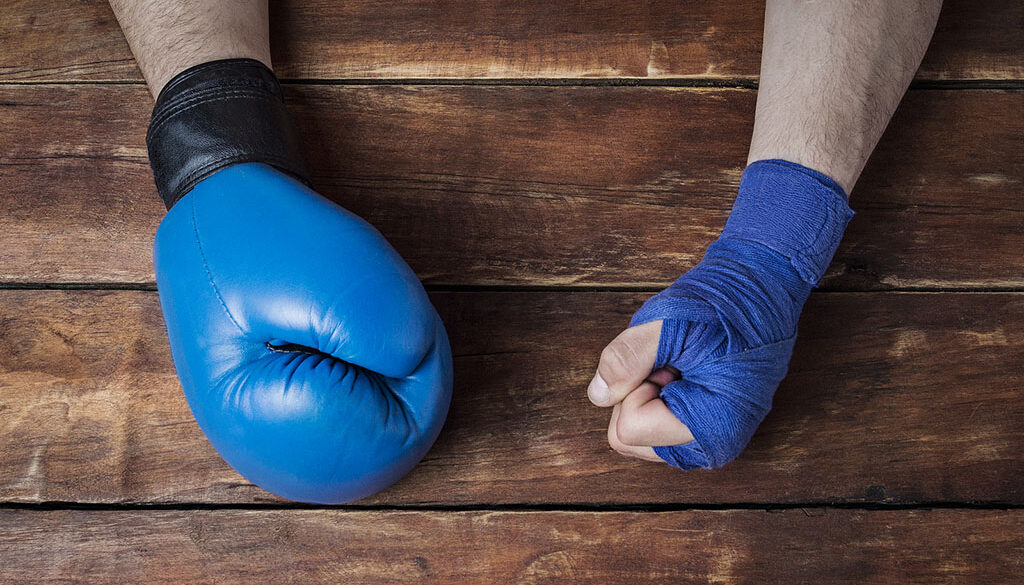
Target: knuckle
[614, 442]
[618, 446]
[620, 359]
[628, 429]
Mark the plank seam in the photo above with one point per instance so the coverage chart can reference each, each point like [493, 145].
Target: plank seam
[688, 82]
[522, 507]
[474, 288]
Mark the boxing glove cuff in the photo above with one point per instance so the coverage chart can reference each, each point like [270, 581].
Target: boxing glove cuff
[217, 114]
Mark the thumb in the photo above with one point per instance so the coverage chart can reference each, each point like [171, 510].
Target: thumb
[625, 363]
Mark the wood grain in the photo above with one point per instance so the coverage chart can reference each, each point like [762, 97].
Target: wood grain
[53, 40]
[891, 398]
[549, 186]
[220, 547]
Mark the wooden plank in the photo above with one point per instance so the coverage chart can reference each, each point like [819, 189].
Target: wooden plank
[220, 547]
[891, 398]
[586, 186]
[49, 40]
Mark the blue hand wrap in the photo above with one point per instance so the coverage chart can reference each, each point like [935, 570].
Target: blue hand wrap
[729, 324]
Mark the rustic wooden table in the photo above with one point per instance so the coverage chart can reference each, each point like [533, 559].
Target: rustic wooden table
[544, 167]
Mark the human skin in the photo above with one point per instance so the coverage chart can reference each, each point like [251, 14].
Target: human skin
[832, 74]
[169, 37]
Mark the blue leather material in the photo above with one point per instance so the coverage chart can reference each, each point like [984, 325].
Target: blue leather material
[251, 259]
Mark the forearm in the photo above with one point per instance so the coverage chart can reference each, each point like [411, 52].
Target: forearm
[169, 37]
[832, 74]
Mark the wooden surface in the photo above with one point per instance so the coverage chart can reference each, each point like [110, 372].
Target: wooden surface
[484, 547]
[56, 40]
[544, 167]
[857, 420]
[530, 186]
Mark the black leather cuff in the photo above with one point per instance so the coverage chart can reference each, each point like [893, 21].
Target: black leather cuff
[218, 114]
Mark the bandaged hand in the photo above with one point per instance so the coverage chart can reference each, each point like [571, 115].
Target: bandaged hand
[694, 375]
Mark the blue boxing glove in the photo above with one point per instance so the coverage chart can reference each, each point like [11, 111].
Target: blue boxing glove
[308, 350]
[729, 324]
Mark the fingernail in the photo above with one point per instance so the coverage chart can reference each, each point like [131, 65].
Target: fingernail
[598, 390]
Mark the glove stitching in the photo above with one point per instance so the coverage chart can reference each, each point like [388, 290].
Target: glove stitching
[171, 106]
[198, 70]
[204, 97]
[190, 180]
[206, 267]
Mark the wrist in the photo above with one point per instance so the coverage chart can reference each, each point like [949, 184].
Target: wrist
[217, 114]
[792, 210]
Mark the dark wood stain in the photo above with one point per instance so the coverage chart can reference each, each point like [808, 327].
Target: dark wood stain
[215, 547]
[533, 186]
[51, 40]
[899, 400]
[872, 411]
